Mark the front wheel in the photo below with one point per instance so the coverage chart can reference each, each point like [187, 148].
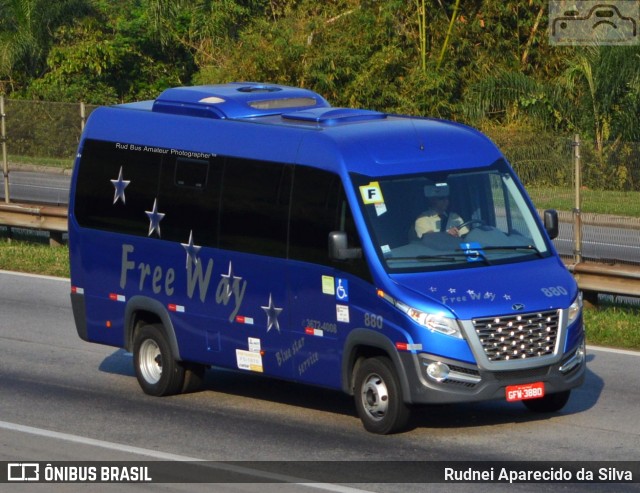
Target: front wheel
[550, 403]
[156, 368]
[378, 397]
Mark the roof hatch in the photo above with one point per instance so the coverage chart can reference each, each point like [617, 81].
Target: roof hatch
[334, 116]
[236, 100]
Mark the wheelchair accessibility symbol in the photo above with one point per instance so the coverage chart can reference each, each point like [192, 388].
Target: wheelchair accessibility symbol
[342, 289]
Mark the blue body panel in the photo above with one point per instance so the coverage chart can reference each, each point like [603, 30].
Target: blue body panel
[286, 318]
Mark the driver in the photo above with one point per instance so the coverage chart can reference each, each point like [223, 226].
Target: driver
[437, 218]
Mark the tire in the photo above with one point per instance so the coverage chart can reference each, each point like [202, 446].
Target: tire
[378, 397]
[156, 368]
[550, 403]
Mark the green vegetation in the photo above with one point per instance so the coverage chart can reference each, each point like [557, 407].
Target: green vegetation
[607, 324]
[597, 201]
[34, 258]
[49, 162]
[613, 325]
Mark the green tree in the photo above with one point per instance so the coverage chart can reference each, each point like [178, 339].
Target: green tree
[111, 57]
[26, 28]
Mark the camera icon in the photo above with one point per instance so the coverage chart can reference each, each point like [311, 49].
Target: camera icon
[594, 22]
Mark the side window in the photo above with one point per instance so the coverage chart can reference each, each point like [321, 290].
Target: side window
[115, 187]
[319, 206]
[255, 207]
[189, 198]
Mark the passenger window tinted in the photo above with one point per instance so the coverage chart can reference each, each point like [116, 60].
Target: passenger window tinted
[117, 186]
[190, 197]
[192, 173]
[106, 165]
[319, 206]
[255, 206]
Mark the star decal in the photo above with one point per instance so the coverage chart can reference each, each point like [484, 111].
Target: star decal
[231, 279]
[191, 249]
[272, 315]
[119, 184]
[154, 219]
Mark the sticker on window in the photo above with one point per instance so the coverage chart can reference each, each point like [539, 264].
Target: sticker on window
[371, 193]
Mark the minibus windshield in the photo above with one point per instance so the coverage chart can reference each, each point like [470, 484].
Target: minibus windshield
[449, 220]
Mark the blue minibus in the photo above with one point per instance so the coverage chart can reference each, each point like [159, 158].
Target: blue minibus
[256, 228]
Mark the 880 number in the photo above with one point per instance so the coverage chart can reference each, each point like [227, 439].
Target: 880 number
[554, 291]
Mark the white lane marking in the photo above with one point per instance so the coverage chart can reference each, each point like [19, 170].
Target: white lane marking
[626, 352]
[36, 276]
[179, 458]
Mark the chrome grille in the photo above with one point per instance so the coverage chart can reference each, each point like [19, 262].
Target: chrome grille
[517, 337]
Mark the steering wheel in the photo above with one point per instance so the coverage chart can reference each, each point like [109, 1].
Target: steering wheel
[471, 223]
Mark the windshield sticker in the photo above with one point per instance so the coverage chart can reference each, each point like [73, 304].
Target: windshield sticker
[380, 209]
[328, 286]
[473, 251]
[371, 193]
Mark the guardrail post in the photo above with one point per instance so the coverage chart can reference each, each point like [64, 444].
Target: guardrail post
[83, 118]
[5, 163]
[577, 219]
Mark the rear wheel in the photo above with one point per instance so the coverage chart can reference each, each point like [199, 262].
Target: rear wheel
[378, 397]
[156, 368]
[550, 403]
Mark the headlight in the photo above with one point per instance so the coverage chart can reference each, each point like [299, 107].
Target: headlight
[575, 309]
[432, 321]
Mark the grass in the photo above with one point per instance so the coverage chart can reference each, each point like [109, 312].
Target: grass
[597, 201]
[607, 324]
[49, 162]
[34, 258]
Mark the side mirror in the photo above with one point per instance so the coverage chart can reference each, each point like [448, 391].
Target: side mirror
[551, 223]
[338, 247]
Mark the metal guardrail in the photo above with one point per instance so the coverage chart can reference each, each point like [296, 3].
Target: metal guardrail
[40, 217]
[615, 278]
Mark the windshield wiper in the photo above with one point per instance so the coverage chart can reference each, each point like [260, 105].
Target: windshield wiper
[425, 258]
[515, 247]
[468, 256]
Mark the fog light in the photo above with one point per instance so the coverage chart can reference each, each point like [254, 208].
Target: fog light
[438, 371]
[581, 353]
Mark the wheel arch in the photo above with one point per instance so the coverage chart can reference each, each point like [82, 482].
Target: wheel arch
[145, 311]
[365, 343]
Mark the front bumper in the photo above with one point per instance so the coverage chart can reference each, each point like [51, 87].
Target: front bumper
[470, 383]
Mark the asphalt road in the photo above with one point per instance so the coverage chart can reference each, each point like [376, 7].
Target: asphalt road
[40, 188]
[62, 399]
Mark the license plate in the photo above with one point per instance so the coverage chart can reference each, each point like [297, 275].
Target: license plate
[524, 392]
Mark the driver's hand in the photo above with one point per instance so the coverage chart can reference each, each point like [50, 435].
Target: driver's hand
[454, 232]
